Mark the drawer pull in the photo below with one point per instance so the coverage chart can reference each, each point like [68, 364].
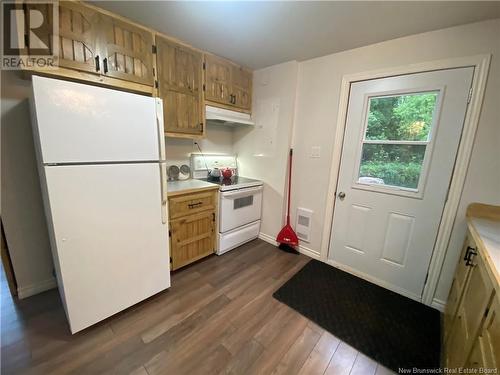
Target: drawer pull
[194, 205]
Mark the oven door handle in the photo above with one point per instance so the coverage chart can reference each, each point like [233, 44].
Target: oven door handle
[241, 193]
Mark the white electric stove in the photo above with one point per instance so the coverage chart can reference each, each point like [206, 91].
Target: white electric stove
[240, 201]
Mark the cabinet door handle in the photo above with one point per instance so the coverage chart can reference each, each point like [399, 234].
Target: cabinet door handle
[105, 63]
[467, 252]
[472, 252]
[97, 64]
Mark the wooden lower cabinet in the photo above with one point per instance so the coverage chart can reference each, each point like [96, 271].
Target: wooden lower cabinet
[457, 287]
[472, 327]
[192, 227]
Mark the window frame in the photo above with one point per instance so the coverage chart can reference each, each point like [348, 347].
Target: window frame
[418, 192]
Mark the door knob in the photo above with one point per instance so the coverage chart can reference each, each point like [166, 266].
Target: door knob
[341, 195]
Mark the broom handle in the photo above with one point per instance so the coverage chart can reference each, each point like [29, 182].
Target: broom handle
[289, 188]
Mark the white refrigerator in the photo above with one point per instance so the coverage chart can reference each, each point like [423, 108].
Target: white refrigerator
[101, 158]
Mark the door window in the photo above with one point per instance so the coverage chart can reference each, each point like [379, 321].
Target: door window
[396, 140]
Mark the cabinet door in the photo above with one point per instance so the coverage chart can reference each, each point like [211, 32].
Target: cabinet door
[470, 313]
[490, 335]
[217, 80]
[193, 237]
[127, 51]
[242, 88]
[476, 359]
[180, 71]
[457, 287]
[76, 46]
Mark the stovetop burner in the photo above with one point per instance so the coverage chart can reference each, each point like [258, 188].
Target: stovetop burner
[233, 182]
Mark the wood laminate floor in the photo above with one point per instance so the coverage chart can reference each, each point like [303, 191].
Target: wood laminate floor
[219, 317]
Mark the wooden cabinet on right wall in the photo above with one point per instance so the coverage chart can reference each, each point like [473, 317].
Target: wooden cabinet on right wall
[472, 316]
[227, 85]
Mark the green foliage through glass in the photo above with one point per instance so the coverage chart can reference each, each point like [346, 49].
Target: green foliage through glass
[395, 165]
[401, 118]
[391, 119]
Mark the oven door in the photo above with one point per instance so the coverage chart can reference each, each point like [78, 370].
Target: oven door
[239, 207]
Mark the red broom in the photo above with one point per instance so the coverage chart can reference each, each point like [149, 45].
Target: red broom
[287, 237]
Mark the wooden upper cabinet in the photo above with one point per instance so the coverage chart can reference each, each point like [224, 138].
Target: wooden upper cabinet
[217, 80]
[77, 37]
[242, 87]
[227, 84]
[180, 71]
[76, 46]
[127, 51]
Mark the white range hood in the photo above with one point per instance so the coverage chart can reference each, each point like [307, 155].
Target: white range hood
[222, 116]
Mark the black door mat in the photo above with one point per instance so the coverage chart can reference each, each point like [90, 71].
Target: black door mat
[391, 329]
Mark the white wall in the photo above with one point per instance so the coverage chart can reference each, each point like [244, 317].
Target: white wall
[22, 207]
[317, 107]
[263, 150]
[219, 140]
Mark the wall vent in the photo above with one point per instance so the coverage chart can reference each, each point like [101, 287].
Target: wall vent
[303, 224]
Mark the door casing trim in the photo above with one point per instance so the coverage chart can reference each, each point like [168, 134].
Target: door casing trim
[481, 65]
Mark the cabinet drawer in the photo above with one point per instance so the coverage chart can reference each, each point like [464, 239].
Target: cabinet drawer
[191, 204]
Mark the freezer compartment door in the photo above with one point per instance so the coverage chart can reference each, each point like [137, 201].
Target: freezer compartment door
[77, 123]
[110, 242]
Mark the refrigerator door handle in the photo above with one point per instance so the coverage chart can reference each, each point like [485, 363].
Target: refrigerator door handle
[163, 186]
[161, 129]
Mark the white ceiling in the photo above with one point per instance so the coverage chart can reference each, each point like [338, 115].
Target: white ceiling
[261, 33]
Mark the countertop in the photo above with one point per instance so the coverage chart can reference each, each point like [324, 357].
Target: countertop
[484, 225]
[188, 186]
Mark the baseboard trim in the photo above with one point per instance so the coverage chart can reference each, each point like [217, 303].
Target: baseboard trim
[438, 304]
[42, 286]
[302, 249]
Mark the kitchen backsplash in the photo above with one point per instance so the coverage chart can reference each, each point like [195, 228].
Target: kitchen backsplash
[219, 140]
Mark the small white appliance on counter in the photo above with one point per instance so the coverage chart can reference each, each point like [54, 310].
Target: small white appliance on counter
[240, 200]
[101, 159]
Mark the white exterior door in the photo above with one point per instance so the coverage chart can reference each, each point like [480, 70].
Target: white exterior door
[400, 143]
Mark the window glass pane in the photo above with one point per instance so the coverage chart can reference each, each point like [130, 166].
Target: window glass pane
[394, 165]
[401, 118]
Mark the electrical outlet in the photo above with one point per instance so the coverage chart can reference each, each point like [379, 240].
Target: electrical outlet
[315, 151]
